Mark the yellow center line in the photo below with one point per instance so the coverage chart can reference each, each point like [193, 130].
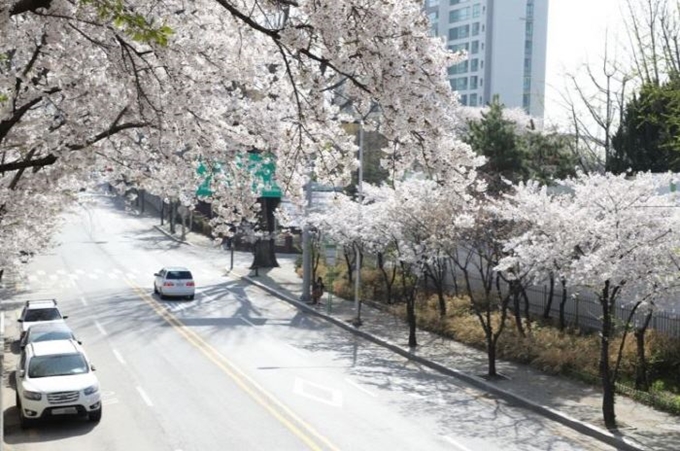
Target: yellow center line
[303, 430]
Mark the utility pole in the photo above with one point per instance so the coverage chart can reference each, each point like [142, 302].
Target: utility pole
[357, 279]
[306, 245]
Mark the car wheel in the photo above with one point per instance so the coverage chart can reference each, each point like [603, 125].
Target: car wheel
[161, 295]
[95, 415]
[155, 289]
[191, 298]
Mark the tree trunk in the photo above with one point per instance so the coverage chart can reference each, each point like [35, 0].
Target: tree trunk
[608, 393]
[386, 278]
[264, 255]
[563, 303]
[491, 353]
[172, 217]
[641, 370]
[162, 212]
[265, 252]
[551, 293]
[527, 307]
[411, 316]
[516, 308]
[350, 265]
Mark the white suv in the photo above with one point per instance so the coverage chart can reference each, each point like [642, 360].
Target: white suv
[56, 378]
[39, 311]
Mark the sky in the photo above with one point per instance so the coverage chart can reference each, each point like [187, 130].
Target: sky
[577, 32]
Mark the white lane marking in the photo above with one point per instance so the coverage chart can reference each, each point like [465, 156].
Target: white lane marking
[113, 276]
[246, 321]
[144, 396]
[80, 272]
[93, 276]
[40, 272]
[455, 443]
[119, 357]
[33, 278]
[61, 272]
[359, 387]
[83, 301]
[53, 277]
[99, 326]
[99, 270]
[317, 392]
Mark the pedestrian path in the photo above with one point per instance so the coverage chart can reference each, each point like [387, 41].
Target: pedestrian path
[569, 402]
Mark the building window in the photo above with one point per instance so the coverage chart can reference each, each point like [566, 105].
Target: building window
[458, 47]
[527, 84]
[456, 2]
[459, 14]
[481, 83]
[460, 68]
[475, 47]
[464, 99]
[459, 84]
[474, 65]
[476, 10]
[474, 82]
[526, 101]
[459, 32]
[475, 29]
[528, 45]
[431, 3]
[473, 99]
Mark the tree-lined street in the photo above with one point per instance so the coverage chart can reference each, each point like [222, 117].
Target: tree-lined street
[238, 369]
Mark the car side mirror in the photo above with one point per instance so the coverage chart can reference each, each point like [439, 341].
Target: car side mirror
[92, 367]
[21, 373]
[65, 317]
[20, 320]
[79, 342]
[22, 346]
[156, 274]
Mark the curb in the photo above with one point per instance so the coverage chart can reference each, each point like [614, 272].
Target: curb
[602, 435]
[169, 235]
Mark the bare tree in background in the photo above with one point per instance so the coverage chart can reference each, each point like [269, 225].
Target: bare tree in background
[602, 96]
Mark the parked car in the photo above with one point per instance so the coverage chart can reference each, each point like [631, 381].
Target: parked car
[175, 281]
[54, 330]
[56, 378]
[39, 311]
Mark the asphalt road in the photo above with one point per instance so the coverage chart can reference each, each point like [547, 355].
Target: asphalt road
[236, 369]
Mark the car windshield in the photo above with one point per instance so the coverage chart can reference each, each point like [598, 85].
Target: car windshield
[177, 275]
[42, 314]
[48, 335]
[57, 365]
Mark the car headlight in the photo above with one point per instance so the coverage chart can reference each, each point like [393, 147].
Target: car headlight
[91, 389]
[33, 395]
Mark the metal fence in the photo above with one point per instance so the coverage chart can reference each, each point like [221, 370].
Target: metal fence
[583, 310]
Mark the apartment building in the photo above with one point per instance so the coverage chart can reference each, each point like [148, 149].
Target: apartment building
[506, 45]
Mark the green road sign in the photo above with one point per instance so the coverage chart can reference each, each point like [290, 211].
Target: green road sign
[264, 172]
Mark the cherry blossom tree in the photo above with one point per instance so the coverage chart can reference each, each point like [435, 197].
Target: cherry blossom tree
[153, 88]
[608, 233]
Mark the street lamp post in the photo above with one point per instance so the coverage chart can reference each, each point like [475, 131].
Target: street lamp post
[306, 245]
[357, 279]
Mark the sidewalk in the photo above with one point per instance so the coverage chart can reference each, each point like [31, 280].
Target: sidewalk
[569, 402]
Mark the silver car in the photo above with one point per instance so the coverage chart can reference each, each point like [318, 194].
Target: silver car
[175, 281]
